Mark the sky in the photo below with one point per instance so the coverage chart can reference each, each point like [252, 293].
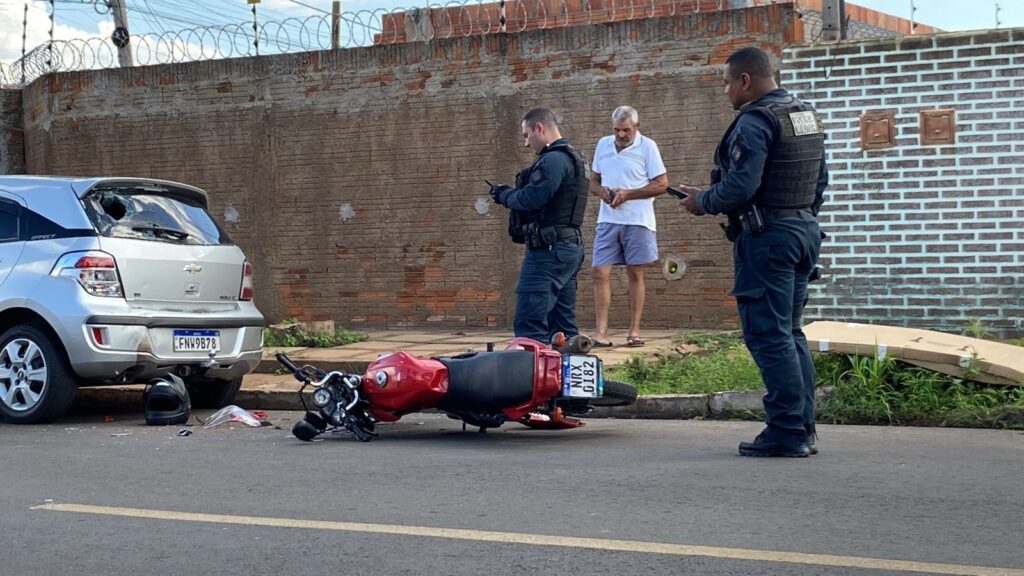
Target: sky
[77, 19]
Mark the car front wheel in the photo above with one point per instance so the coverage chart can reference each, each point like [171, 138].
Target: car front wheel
[36, 382]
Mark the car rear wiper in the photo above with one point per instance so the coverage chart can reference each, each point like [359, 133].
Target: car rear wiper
[158, 230]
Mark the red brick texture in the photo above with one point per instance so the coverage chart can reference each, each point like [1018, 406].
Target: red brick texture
[354, 178]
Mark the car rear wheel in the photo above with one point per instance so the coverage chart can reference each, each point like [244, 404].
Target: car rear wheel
[36, 382]
[214, 393]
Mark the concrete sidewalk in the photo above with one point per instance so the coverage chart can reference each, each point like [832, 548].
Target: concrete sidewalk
[270, 388]
[355, 357]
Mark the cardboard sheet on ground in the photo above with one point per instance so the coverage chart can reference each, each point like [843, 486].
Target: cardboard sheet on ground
[997, 363]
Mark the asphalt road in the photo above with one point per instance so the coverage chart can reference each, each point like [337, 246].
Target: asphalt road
[616, 497]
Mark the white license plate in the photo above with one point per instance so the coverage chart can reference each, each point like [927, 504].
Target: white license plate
[196, 340]
[581, 376]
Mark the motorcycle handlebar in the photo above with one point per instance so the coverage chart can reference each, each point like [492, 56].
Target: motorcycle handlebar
[287, 363]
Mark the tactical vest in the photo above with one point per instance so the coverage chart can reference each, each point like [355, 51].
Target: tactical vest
[790, 177]
[569, 202]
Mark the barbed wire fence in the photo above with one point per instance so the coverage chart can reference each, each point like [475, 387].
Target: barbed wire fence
[455, 18]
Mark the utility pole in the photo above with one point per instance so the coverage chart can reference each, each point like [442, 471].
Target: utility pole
[842, 19]
[255, 27]
[831, 21]
[24, 35]
[335, 23]
[121, 37]
[49, 46]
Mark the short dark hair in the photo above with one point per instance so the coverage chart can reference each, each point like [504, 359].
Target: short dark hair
[540, 116]
[751, 60]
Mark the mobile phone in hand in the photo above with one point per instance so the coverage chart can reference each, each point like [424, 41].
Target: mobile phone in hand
[677, 193]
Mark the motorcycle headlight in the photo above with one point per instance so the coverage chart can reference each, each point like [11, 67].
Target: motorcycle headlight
[322, 397]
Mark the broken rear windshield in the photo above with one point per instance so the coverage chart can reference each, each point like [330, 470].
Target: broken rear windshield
[151, 215]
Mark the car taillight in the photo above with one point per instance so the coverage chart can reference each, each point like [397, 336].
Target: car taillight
[95, 271]
[246, 292]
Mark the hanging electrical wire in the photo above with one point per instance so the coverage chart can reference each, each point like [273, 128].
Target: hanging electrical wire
[308, 6]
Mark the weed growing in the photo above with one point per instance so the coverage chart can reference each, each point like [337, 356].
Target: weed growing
[721, 362]
[887, 391]
[863, 390]
[299, 337]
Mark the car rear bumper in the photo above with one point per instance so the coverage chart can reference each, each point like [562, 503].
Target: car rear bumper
[135, 343]
[126, 367]
[179, 322]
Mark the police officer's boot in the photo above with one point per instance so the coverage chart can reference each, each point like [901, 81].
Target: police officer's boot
[771, 443]
[812, 438]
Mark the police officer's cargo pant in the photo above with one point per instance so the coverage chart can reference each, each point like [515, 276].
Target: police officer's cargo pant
[771, 275]
[546, 295]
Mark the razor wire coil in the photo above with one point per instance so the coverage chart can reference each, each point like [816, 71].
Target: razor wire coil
[451, 19]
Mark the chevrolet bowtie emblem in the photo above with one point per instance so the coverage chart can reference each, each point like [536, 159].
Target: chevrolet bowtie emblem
[193, 268]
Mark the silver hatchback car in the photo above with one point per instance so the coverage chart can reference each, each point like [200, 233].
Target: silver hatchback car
[117, 280]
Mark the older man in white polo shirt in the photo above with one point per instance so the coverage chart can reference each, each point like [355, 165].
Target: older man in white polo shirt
[627, 174]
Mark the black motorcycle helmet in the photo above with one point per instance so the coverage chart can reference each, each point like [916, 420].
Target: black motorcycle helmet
[166, 400]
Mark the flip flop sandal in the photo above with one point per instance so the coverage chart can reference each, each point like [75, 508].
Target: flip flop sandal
[634, 342]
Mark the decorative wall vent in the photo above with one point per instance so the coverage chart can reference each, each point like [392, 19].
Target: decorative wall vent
[938, 126]
[877, 130]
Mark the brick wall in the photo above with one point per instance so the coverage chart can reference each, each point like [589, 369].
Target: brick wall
[520, 15]
[12, 141]
[354, 178]
[929, 236]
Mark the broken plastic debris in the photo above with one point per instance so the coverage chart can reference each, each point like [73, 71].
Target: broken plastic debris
[121, 434]
[184, 432]
[232, 414]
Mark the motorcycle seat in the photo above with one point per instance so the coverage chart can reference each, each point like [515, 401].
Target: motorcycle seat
[488, 381]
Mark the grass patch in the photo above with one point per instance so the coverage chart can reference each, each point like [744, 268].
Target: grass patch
[295, 334]
[887, 391]
[863, 390]
[711, 362]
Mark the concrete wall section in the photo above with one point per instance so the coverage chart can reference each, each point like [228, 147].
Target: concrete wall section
[922, 235]
[354, 178]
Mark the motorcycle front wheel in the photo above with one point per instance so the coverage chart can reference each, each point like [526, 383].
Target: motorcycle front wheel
[616, 393]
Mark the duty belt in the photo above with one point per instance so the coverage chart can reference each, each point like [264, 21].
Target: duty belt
[568, 232]
[783, 213]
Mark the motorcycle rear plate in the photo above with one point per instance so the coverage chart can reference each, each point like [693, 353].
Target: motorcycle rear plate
[582, 376]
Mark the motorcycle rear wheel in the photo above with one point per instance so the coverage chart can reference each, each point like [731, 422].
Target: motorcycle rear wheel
[616, 393]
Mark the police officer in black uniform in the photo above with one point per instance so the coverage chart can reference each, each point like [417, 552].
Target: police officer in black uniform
[546, 210]
[769, 178]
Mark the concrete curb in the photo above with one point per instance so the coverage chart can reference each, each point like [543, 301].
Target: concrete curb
[272, 366]
[719, 406]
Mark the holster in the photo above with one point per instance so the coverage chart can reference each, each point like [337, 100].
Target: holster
[537, 237]
[731, 229]
[749, 219]
[815, 274]
[516, 227]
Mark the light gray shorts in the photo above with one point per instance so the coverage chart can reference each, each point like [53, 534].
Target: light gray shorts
[624, 244]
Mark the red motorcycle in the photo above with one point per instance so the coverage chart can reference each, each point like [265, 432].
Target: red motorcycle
[529, 382]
